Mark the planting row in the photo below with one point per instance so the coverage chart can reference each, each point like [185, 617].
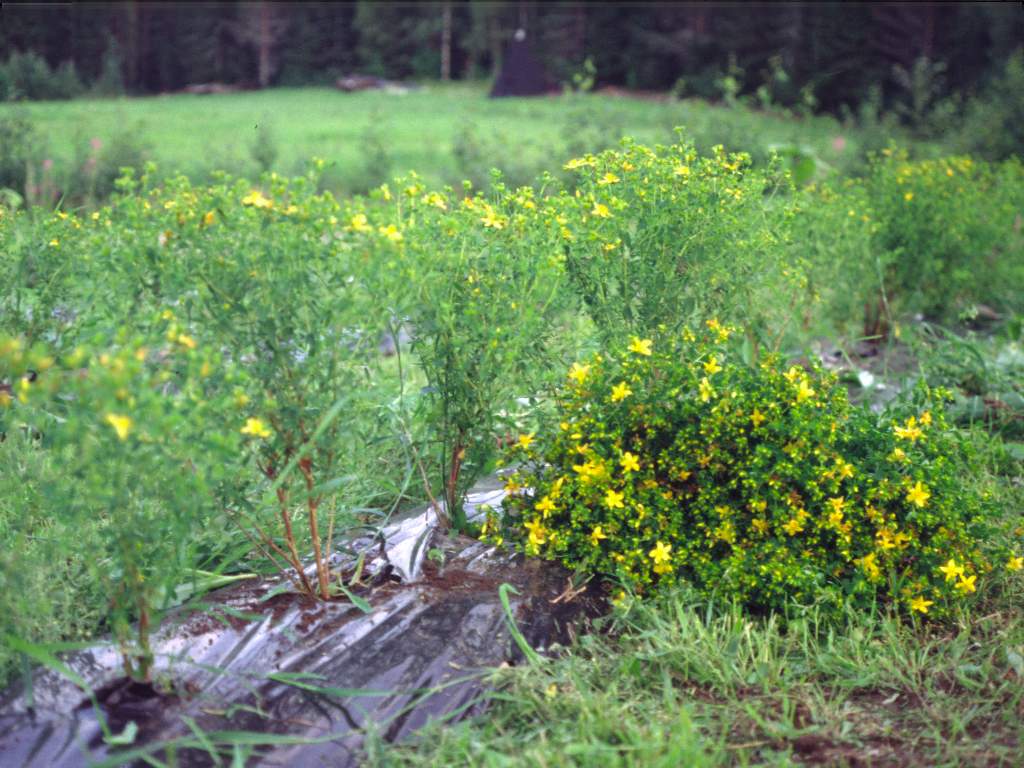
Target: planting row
[195, 381]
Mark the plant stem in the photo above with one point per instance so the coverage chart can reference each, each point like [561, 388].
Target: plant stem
[306, 467]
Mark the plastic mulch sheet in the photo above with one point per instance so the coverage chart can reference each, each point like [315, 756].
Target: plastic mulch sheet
[299, 681]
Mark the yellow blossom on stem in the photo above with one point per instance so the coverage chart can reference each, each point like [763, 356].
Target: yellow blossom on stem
[525, 441]
[706, 390]
[122, 424]
[545, 506]
[804, 391]
[600, 210]
[918, 495]
[538, 534]
[620, 392]
[257, 200]
[966, 583]
[608, 178]
[1015, 564]
[629, 462]
[256, 428]
[951, 570]
[793, 526]
[712, 366]
[661, 553]
[641, 346]
[757, 418]
[613, 499]
[597, 535]
[910, 431]
[920, 604]
[579, 373]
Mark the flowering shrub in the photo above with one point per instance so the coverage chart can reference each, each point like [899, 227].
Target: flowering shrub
[671, 462]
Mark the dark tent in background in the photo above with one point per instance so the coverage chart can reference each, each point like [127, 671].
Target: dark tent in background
[521, 74]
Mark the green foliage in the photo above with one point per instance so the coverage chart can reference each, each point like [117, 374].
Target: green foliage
[672, 462]
[993, 125]
[19, 150]
[948, 231]
[129, 430]
[658, 238]
[482, 288]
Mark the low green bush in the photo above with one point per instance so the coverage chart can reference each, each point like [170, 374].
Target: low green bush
[672, 461]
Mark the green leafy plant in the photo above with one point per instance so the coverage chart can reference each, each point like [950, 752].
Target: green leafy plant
[129, 428]
[486, 290]
[661, 237]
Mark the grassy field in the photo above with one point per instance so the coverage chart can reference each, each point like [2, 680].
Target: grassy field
[443, 132]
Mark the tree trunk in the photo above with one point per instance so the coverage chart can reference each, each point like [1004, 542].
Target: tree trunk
[446, 41]
[265, 42]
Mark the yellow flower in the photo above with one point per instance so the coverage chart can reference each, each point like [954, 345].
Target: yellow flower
[793, 527]
[256, 428]
[870, 566]
[538, 534]
[711, 367]
[208, 218]
[257, 200]
[600, 210]
[613, 499]
[920, 605]
[391, 232]
[760, 525]
[1015, 564]
[682, 170]
[908, 196]
[122, 424]
[630, 463]
[620, 392]
[926, 418]
[898, 455]
[525, 441]
[579, 373]
[966, 583]
[596, 535]
[641, 346]
[5, 399]
[757, 418]
[804, 391]
[493, 220]
[545, 506]
[359, 223]
[721, 331]
[608, 178]
[661, 553]
[578, 162]
[909, 432]
[186, 341]
[951, 570]
[918, 495]
[706, 390]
